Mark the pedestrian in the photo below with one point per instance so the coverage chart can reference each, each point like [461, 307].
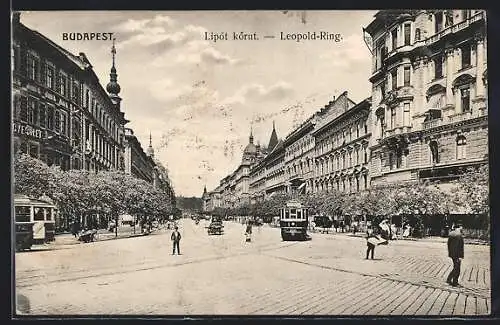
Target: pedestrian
[456, 253]
[371, 242]
[176, 238]
[248, 232]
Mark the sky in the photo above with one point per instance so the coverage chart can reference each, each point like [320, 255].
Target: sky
[198, 98]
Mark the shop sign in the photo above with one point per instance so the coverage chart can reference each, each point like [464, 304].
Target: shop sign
[27, 130]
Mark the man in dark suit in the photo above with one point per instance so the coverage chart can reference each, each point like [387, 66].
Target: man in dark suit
[456, 253]
[176, 238]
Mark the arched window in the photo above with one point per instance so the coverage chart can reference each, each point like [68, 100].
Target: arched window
[461, 147]
[433, 146]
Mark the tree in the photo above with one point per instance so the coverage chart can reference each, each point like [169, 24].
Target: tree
[33, 177]
[472, 192]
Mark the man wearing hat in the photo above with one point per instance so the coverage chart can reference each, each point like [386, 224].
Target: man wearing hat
[176, 238]
[456, 253]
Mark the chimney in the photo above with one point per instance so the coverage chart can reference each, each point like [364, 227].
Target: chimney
[16, 17]
[330, 102]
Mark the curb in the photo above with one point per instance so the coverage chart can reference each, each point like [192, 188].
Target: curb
[76, 242]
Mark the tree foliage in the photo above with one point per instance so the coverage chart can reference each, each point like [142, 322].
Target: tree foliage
[77, 192]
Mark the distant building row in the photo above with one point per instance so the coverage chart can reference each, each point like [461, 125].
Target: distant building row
[63, 116]
[426, 118]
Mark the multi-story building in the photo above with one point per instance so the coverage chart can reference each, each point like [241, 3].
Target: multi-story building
[275, 170]
[429, 98]
[239, 187]
[137, 162]
[341, 152]
[61, 113]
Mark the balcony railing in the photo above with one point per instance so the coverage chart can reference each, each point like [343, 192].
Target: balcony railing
[466, 116]
[433, 123]
[455, 28]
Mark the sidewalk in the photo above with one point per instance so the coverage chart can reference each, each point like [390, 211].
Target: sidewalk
[102, 235]
[433, 239]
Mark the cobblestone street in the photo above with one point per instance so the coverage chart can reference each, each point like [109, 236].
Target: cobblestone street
[224, 275]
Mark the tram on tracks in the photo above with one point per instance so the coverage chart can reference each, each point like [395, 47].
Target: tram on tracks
[34, 220]
[293, 221]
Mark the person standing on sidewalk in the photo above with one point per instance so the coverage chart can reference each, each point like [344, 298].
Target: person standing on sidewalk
[176, 238]
[371, 240]
[456, 253]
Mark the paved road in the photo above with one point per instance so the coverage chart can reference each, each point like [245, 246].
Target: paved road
[224, 275]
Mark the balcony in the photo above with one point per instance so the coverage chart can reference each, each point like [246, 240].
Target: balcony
[454, 28]
[466, 116]
[432, 123]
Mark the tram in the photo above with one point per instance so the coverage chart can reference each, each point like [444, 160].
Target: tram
[35, 221]
[293, 221]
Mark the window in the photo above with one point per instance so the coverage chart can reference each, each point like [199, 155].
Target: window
[466, 51]
[33, 68]
[87, 99]
[394, 35]
[365, 154]
[357, 156]
[62, 85]
[357, 184]
[366, 128]
[23, 213]
[406, 114]
[38, 215]
[393, 117]
[417, 34]
[449, 18]
[461, 146]
[438, 22]
[48, 214]
[350, 158]
[57, 123]
[394, 78]
[465, 99]
[365, 181]
[438, 68]
[399, 158]
[75, 93]
[466, 14]
[50, 77]
[357, 130]
[50, 118]
[64, 123]
[407, 31]
[379, 53]
[407, 76]
[32, 113]
[433, 146]
[43, 122]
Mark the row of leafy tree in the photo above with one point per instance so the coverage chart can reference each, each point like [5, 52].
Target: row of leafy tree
[79, 193]
[469, 195]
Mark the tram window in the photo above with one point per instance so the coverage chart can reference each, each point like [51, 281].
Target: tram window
[22, 214]
[299, 214]
[39, 214]
[48, 215]
[287, 214]
[293, 213]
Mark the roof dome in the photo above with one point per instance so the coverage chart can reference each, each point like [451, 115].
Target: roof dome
[113, 88]
[250, 148]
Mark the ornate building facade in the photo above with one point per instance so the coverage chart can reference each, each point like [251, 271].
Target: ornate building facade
[137, 162]
[341, 152]
[429, 97]
[63, 116]
[61, 113]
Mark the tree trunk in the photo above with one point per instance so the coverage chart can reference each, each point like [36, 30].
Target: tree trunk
[116, 225]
